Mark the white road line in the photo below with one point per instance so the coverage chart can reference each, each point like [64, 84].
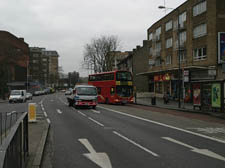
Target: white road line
[48, 121]
[82, 114]
[165, 125]
[95, 121]
[136, 144]
[45, 114]
[205, 152]
[95, 111]
[59, 111]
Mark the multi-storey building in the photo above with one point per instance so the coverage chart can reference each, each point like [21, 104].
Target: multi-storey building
[186, 41]
[38, 65]
[43, 66]
[53, 66]
[14, 56]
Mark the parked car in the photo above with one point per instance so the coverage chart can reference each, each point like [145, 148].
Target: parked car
[17, 96]
[37, 93]
[68, 92]
[29, 96]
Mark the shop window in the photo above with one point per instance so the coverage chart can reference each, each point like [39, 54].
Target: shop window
[158, 87]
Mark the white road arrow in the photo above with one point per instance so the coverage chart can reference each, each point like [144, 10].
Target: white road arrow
[59, 111]
[205, 152]
[101, 159]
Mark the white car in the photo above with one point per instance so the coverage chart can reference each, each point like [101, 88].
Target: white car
[29, 96]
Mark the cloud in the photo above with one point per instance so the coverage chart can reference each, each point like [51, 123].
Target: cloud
[66, 26]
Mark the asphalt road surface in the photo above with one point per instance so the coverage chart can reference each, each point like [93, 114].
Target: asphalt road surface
[114, 136]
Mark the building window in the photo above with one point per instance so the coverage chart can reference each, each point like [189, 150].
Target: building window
[182, 37]
[169, 25]
[158, 47]
[158, 62]
[157, 33]
[182, 56]
[199, 8]
[168, 59]
[169, 42]
[200, 53]
[200, 31]
[150, 51]
[182, 19]
[150, 36]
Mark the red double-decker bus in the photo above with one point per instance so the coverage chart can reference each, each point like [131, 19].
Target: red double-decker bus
[114, 87]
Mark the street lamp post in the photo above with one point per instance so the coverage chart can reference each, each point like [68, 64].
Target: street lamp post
[178, 53]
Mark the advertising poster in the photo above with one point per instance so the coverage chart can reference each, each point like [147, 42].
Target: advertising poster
[197, 94]
[221, 47]
[216, 98]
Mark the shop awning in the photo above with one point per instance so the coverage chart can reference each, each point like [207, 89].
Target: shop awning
[172, 69]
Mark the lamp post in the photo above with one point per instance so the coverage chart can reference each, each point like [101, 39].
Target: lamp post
[178, 53]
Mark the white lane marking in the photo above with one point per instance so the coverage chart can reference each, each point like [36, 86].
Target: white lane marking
[45, 114]
[205, 152]
[48, 121]
[95, 111]
[95, 121]
[42, 108]
[136, 144]
[165, 125]
[82, 114]
[63, 101]
[101, 159]
[59, 111]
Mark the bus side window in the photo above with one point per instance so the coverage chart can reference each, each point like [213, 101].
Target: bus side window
[112, 91]
[99, 90]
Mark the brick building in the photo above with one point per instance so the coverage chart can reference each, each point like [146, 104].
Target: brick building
[14, 57]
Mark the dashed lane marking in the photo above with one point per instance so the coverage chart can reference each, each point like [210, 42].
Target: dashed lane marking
[136, 144]
[96, 121]
[95, 111]
[82, 114]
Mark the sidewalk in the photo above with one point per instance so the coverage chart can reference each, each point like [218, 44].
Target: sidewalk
[38, 133]
[173, 105]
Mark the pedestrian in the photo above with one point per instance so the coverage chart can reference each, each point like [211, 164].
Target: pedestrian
[166, 97]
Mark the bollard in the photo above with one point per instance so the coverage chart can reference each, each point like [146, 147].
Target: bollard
[32, 112]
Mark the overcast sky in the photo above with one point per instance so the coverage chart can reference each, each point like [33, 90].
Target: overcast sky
[67, 25]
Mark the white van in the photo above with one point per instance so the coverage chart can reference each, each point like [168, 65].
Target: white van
[17, 96]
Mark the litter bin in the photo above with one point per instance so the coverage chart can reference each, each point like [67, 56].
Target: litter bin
[154, 100]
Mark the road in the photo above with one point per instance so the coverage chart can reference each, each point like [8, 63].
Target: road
[130, 136]
[126, 136]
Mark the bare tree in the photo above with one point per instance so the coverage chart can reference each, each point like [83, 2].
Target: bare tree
[97, 54]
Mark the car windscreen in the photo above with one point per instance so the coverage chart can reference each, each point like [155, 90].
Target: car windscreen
[15, 92]
[86, 91]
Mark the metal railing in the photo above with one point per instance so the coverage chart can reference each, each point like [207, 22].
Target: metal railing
[14, 145]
